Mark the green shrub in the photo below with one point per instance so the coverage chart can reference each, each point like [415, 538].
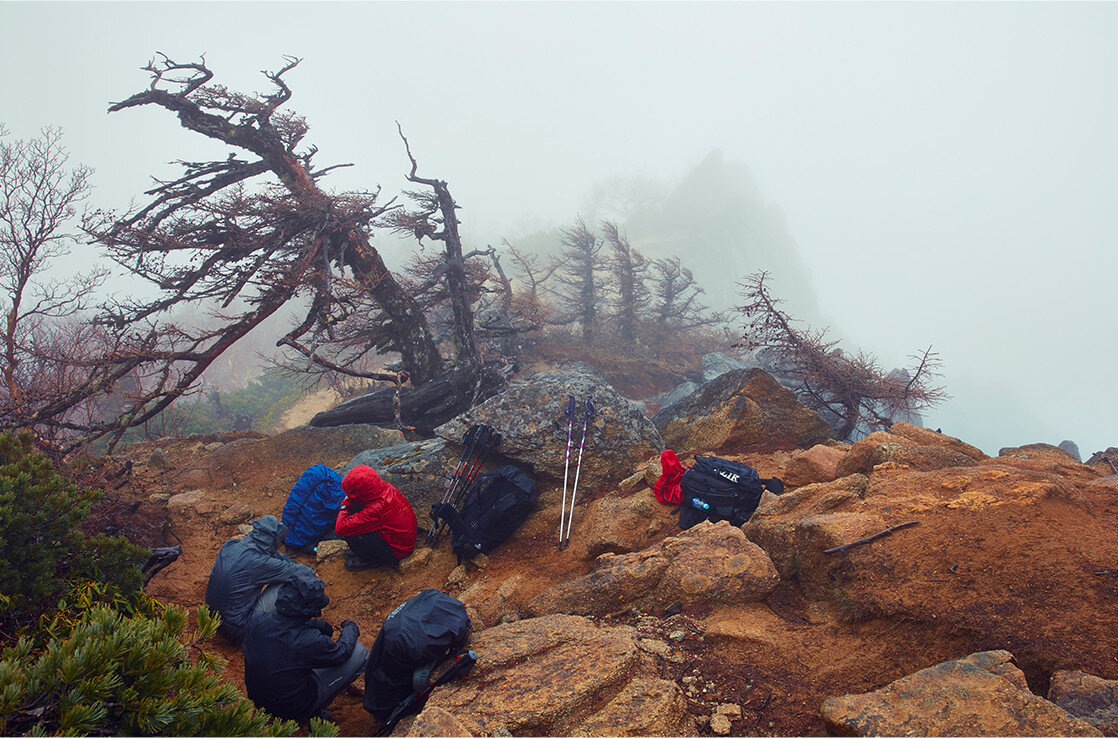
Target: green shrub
[112, 674]
[44, 558]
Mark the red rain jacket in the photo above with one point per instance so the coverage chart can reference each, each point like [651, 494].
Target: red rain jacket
[667, 486]
[372, 504]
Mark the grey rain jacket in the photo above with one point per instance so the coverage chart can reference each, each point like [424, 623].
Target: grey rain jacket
[283, 647]
[243, 568]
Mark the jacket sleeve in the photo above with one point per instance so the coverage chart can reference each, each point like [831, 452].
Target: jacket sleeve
[277, 568]
[318, 650]
[362, 521]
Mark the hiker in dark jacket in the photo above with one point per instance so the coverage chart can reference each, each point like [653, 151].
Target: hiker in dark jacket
[293, 669]
[375, 519]
[244, 567]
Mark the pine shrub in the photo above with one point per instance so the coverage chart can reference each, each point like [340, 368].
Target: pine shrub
[111, 674]
[45, 561]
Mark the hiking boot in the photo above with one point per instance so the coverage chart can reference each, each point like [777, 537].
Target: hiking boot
[354, 563]
[349, 553]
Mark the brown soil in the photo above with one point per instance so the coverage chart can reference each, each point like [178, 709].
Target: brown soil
[809, 652]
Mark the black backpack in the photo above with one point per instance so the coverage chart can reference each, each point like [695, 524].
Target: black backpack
[495, 506]
[416, 637]
[718, 489]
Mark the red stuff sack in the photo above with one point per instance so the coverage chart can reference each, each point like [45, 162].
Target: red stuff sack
[667, 486]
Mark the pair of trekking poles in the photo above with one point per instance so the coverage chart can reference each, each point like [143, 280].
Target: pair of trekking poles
[588, 413]
[477, 442]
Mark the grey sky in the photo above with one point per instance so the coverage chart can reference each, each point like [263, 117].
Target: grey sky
[948, 171]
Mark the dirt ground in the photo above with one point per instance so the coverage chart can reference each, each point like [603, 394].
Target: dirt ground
[805, 653]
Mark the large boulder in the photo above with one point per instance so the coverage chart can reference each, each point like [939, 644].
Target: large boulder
[927, 437]
[981, 695]
[1087, 696]
[773, 526]
[530, 416]
[711, 563]
[716, 363]
[819, 463]
[562, 675]
[738, 409]
[986, 535]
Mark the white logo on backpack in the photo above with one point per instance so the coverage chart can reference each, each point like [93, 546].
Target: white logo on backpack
[732, 477]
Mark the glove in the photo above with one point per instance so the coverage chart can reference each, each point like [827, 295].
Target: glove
[346, 623]
[322, 627]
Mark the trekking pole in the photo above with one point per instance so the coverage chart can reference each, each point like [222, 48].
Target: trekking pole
[588, 413]
[469, 442]
[570, 413]
[489, 441]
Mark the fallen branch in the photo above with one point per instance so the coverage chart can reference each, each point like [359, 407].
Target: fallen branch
[874, 537]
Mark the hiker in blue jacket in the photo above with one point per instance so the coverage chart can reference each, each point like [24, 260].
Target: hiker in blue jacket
[311, 507]
[244, 567]
[293, 668]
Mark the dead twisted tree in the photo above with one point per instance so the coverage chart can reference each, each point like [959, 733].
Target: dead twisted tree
[252, 233]
[853, 387]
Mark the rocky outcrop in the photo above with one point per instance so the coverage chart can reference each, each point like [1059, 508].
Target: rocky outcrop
[1104, 462]
[290, 452]
[710, 563]
[739, 409]
[1088, 697]
[981, 695]
[529, 415]
[926, 437]
[562, 675]
[900, 451]
[1047, 458]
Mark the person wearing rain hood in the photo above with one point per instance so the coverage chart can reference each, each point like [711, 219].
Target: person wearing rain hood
[293, 668]
[375, 519]
[244, 567]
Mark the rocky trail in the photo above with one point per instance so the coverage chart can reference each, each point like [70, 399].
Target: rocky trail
[638, 628]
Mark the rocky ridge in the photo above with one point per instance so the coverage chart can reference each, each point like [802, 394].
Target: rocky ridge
[997, 585]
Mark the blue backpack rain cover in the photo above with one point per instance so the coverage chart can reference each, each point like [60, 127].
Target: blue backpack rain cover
[312, 505]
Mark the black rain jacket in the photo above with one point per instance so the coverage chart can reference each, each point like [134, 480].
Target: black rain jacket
[283, 647]
[243, 568]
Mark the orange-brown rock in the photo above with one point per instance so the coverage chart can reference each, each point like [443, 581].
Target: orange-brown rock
[817, 464]
[709, 563]
[773, 526]
[927, 437]
[898, 451]
[739, 409]
[1087, 696]
[544, 676]
[967, 697]
[1047, 458]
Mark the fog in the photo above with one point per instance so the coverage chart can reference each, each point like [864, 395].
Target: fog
[943, 174]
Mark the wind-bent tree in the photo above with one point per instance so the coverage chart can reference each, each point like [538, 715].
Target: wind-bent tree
[253, 233]
[853, 387]
[581, 294]
[676, 297]
[628, 268]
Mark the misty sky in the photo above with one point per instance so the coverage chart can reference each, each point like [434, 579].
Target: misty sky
[948, 171]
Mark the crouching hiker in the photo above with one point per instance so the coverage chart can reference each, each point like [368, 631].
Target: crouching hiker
[244, 567]
[376, 520]
[293, 668]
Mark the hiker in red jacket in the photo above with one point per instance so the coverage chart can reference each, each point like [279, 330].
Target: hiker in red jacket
[375, 519]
